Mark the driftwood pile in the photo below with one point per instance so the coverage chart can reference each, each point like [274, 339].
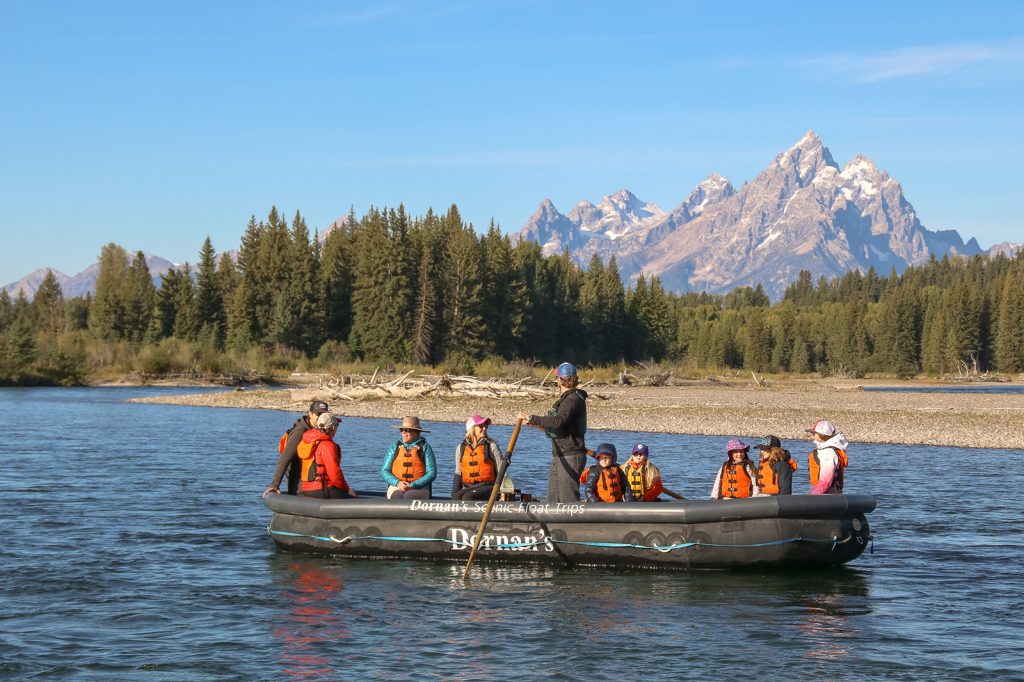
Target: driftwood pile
[357, 387]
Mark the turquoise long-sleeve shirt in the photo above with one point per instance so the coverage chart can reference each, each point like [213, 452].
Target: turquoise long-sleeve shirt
[428, 460]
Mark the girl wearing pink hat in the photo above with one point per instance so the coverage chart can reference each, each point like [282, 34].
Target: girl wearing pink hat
[476, 462]
[736, 478]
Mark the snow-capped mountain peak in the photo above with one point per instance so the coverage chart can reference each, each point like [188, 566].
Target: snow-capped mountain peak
[802, 212]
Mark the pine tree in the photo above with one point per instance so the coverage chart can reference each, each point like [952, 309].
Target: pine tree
[138, 296]
[186, 326]
[963, 325]
[382, 296]
[463, 288]
[428, 241]
[592, 311]
[612, 344]
[336, 271]
[210, 314]
[6, 310]
[48, 306]
[1009, 337]
[757, 350]
[933, 333]
[505, 294]
[901, 329]
[107, 313]
[658, 321]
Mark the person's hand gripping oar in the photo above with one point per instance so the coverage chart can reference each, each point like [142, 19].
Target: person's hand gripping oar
[502, 468]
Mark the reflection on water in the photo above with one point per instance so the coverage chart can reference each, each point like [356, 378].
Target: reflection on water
[178, 577]
[310, 591]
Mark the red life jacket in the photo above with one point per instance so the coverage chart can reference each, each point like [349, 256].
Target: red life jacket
[767, 481]
[814, 465]
[476, 463]
[409, 464]
[736, 481]
[314, 473]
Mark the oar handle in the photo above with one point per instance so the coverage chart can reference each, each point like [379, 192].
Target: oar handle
[672, 494]
[502, 468]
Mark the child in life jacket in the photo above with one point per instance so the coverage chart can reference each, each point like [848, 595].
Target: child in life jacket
[737, 477]
[477, 459]
[606, 482]
[827, 462]
[320, 459]
[643, 477]
[409, 467]
[775, 470]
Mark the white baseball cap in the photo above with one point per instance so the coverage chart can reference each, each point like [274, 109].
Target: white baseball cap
[822, 428]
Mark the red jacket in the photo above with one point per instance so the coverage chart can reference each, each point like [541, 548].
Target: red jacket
[321, 458]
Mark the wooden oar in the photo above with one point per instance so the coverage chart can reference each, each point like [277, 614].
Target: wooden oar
[494, 495]
[672, 494]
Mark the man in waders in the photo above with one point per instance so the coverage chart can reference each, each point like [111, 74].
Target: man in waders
[566, 426]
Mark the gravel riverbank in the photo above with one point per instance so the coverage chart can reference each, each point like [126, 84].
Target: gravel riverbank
[718, 408]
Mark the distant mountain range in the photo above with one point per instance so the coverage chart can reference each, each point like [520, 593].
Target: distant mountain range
[802, 212]
[84, 282]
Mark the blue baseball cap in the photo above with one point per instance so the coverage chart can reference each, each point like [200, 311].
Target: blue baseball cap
[642, 449]
[566, 370]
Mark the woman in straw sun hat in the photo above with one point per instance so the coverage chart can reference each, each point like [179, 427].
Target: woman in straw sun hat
[409, 468]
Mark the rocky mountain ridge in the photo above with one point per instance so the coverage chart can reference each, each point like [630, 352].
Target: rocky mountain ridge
[802, 212]
[84, 282]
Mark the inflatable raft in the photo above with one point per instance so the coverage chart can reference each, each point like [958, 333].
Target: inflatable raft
[789, 530]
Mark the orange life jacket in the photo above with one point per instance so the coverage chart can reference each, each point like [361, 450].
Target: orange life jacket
[585, 474]
[409, 464]
[814, 465]
[767, 481]
[609, 484]
[313, 470]
[477, 464]
[736, 481]
[284, 441]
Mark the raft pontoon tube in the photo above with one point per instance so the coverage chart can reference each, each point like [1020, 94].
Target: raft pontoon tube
[786, 530]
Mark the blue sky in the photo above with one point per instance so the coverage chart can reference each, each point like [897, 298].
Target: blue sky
[154, 124]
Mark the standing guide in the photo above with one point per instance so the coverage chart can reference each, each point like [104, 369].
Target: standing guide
[566, 426]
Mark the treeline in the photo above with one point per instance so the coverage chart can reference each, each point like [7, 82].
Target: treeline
[389, 288]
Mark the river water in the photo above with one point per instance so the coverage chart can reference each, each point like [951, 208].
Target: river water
[135, 546]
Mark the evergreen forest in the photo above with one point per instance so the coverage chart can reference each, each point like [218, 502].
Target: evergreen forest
[389, 289]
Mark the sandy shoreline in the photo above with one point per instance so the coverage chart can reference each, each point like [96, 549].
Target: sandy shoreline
[723, 409]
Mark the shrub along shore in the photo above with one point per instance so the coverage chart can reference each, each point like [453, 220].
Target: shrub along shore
[720, 407]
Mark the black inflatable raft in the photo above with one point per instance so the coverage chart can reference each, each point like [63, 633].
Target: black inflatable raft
[788, 530]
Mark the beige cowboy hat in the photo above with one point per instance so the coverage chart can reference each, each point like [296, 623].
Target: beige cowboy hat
[411, 423]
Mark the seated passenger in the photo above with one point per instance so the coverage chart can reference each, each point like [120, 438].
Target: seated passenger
[827, 461]
[736, 478]
[644, 478]
[476, 462]
[775, 470]
[320, 459]
[409, 468]
[606, 482]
